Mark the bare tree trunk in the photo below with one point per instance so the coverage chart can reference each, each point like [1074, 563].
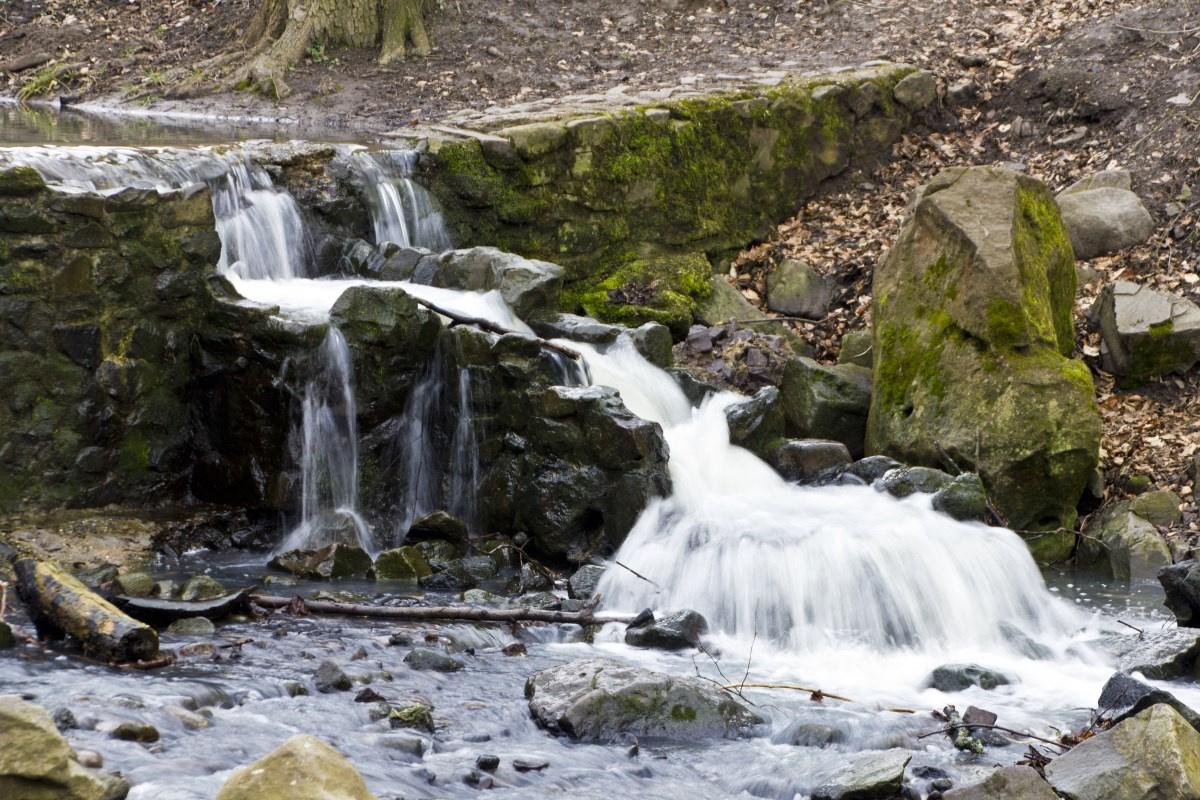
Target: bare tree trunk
[403, 21]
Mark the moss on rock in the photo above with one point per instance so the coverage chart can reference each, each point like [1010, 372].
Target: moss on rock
[665, 290]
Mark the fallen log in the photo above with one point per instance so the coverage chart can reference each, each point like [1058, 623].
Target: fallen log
[163, 612]
[59, 603]
[464, 613]
[492, 327]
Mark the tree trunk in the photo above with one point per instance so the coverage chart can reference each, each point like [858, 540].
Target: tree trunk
[403, 21]
[58, 603]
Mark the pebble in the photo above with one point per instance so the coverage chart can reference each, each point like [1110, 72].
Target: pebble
[529, 764]
[135, 732]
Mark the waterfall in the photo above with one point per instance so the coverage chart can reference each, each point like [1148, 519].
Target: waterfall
[402, 211]
[416, 461]
[329, 454]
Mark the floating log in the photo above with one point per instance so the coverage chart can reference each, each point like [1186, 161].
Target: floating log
[465, 613]
[59, 603]
[163, 612]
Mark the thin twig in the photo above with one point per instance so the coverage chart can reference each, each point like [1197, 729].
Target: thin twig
[1184, 32]
[1023, 734]
[637, 574]
[1133, 627]
[817, 694]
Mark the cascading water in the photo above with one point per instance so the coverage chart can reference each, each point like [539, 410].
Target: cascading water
[402, 211]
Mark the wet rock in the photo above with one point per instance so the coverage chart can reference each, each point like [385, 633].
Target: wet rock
[582, 585]
[529, 764]
[399, 264]
[412, 715]
[576, 328]
[865, 776]
[804, 460]
[599, 699]
[964, 498]
[369, 695]
[543, 600]
[1124, 545]
[328, 563]
[1124, 696]
[515, 649]
[1103, 217]
[1181, 582]
[826, 402]
[133, 584]
[756, 423]
[440, 525]
[303, 768]
[957, 677]
[1153, 754]
[7, 639]
[64, 719]
[800, 733]
[36, 762]
[423, 658]
[90, 759]
[135, 732]
[676, 631]
[653, 341]
[872, 468]
[796, 289]
[188, 719]
[480, 568]
[905, 481]
[438, 554]
[1010, 783]
[400, 564]
[488, 763]
[192, 626]
[414, 744]
[529, 287]
[330, 678]
[856, 349]
[1024, 643]
[978, 324]
[454, 578]
[1159, 655]
[481, 597]
[400, 640]
[1146, 333]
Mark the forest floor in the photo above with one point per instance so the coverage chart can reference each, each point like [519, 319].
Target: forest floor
[1056, 88]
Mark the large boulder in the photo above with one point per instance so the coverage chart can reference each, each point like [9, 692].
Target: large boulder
[1103, 216]
[1181, 582]
[1155, 754]
[756, 423]
[597, 699]
[1124, 696]
[1146, 333]
[36, 763]
[1159, 655]
[302, 768]
[972, 336]
[1122, 543]
[1010, 783]
[866, 776]
[827, 402]
[529, 287]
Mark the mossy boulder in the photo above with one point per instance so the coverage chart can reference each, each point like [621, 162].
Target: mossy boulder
[37, 763]
[401, 564]
[302, 768]
[665, 290]
[821, 401]
[1147, 333]
[1123, 544]
[972, 341]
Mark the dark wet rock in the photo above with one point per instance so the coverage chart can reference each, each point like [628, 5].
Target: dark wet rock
[64, 719]
[302, 768]
[805, 460]
[827, 402]
[1124, 696]
[482, 597]
[529, 287]
[454, 578]
[399, 264]
[801, 733]
[330, 678]
[7, 639]
[134, 584]
[529, 764]
[400, 640]
[756, 423]
[905, 481]
[407, 741]
[412, 715]
[872, 468]
[135, 732]
[964, 498]
[488, 763]
[1181, 582]
[439, 525]
[582, 585]
[676, 631]
[327, 563]
[401, 564]
[201, 587]
[192, 626]
[369, 695]
[422, 658]
[95, 577]
[438, 554]
[481, 568]
[515, 649]
[1159, 655]
[865, 776]
[957, 677]
[1024, 643]
[532, 578]
[1010, 783]
[1153, 754]
[599, 699]
[577, 328]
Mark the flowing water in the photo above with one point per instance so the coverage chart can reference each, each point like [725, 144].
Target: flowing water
[839, 588]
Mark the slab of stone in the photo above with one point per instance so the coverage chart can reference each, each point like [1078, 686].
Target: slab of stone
[802, 460]
[866, 776]
[1146, 333]
[1010, 783]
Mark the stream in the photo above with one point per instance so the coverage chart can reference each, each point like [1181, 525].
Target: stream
[841, 588]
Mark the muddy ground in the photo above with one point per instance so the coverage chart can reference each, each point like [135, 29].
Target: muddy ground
[1058, 88]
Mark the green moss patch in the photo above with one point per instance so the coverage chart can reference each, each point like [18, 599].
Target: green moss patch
[664, 290]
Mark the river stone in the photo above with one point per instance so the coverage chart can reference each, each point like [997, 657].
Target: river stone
[529, 287]
[36, 763]
[329, 678]
[866, 776]
[412, 715]
[973, 332]
[133, 731]
[906, 481]
[582, 585]
[438, 554]
[872, 468]
[1124, 696]
[328, 563]
[192, 626]
[796, 289]
[1146, 333]
[1155, 754]
[400, 564]
[856, 349]
[1017, 782]
[1104, 220]
[801, 733]
[481, 597]
[725, 303]
[1181, 582]
[803, 460]
[201, 587]
[303, 768]
[756, 423]
[1124, 545]
[453, 578]
[826, 402]
[7, 639]
[133, 584]
[439, 525]
[958, 677]
[598, 699]
[676, 631]
[576, 328]
[422, 658]
[1159, 655]
[964, 498]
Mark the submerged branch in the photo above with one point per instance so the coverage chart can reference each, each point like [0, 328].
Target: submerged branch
[491, 327]
[817, 694]
[467, 613]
